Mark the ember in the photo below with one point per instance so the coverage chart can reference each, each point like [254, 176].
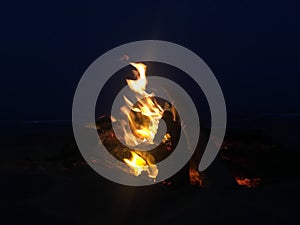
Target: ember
[195, 177]
[248, 182]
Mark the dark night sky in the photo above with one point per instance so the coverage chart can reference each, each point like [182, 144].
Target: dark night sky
[251, 46]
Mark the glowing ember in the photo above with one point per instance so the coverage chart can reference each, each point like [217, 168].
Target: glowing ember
[247, 182]
[143, 120]
[195, 178]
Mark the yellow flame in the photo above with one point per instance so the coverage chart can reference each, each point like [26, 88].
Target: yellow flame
[143, 120]
[138, 165]
[139, 85]
[143, 117]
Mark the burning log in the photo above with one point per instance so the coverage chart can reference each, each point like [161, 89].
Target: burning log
[144, 159]
[139, 128]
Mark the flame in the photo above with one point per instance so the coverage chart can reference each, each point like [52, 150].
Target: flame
[143, 118]
[139, 164]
